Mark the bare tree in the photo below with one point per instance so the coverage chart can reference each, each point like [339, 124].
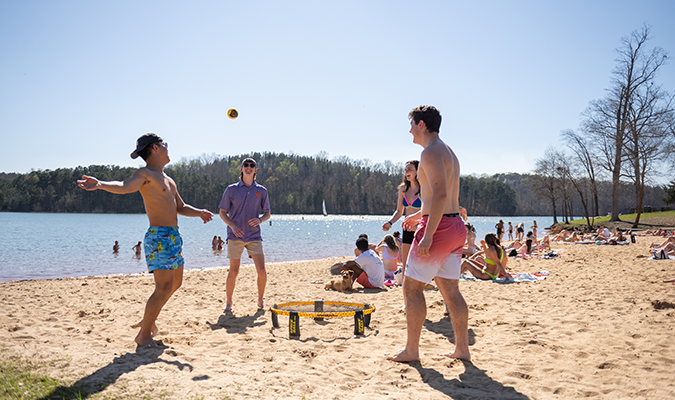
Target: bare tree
[584, 160]
[562, 174]
[545, 183]
[648, 138]
[609, 119]
[573, 171]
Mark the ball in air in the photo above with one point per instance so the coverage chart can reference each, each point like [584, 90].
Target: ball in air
[232, 113]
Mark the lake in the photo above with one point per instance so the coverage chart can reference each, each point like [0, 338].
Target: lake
[46, 246]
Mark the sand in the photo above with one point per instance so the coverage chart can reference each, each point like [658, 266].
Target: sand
[589, 330]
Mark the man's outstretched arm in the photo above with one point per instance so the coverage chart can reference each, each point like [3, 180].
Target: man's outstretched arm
[133, 184]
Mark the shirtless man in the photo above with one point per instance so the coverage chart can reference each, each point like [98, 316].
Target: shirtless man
[163, 243]
[436, 252]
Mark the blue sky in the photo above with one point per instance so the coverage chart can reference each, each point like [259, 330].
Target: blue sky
[81, 80]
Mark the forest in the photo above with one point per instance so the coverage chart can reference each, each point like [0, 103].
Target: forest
[297, 185]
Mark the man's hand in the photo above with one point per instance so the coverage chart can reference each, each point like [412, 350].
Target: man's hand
[206, 215]
[237, 232]
[423, 246]
[411, 220]
[254, 221]
[463, 214]
[88, 183]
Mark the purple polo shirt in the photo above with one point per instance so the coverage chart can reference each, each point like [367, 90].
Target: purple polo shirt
[242, 203]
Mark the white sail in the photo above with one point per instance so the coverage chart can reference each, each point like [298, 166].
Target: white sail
[324, 208]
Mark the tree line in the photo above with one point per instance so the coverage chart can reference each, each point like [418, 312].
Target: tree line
[297, 185]
[628, 136]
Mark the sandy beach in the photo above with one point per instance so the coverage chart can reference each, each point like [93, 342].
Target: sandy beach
[596, 327]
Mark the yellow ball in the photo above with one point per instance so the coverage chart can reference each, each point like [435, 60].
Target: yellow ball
[232, 113]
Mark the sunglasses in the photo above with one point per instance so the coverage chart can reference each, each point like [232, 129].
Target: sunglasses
[249, 164]
[162, 143]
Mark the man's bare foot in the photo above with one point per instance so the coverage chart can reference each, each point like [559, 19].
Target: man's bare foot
[403, 356]
[466, 356]
[153, 331]
[145, 342]
[261, 305]
[228, 307]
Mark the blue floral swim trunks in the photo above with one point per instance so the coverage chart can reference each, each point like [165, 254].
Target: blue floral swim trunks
[163, 247]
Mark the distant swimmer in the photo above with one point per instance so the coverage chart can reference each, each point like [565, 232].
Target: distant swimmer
[116, 247]
[214, 243]
[163, 243]
[137, 249]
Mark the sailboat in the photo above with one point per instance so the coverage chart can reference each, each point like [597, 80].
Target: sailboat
[324, 208]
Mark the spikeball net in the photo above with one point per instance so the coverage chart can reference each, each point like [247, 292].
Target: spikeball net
[318, 310]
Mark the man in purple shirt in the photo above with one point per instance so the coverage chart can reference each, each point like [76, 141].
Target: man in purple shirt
[240, 209]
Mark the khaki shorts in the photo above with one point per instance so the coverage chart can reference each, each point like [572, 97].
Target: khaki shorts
[236, 247]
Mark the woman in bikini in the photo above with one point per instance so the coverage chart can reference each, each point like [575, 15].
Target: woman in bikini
[470, 246]
[389, 251]
[489, 263]
[408, 203]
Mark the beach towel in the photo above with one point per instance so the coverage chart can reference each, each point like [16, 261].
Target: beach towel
[600, 243]
[517, 277]
[550, 254]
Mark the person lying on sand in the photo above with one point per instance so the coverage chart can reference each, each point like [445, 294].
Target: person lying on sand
[670, 240]
[669, 248]
[562, 236]
[658, 232]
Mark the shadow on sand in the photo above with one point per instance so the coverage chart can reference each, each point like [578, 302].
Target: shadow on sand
[444, 327]
[104, 377]
[234, 324]
[473, 383]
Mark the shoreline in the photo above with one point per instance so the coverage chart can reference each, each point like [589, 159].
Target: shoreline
[185, 271]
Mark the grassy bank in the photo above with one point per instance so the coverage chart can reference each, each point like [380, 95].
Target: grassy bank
[661, 219]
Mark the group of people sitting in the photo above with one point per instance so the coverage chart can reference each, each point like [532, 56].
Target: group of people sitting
[375, 265]
[601, 236]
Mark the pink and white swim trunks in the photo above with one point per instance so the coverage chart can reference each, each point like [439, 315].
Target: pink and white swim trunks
[445, 254]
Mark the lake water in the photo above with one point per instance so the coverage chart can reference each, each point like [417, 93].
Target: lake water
[46, 246]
